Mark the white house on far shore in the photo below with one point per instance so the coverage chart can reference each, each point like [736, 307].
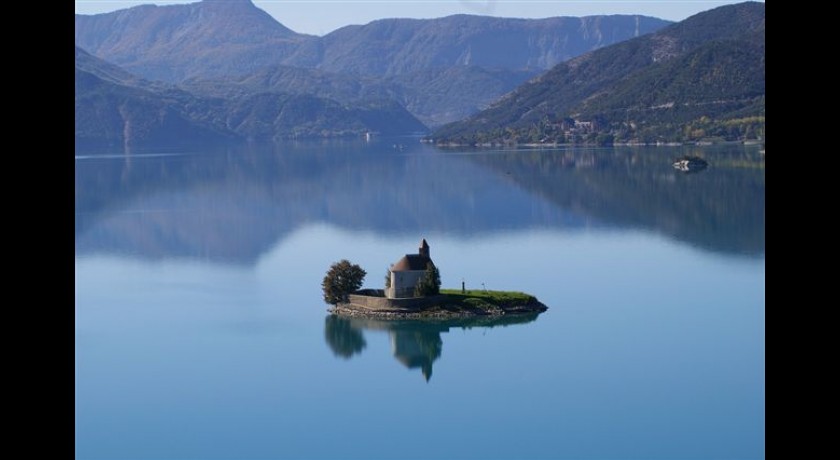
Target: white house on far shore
[407, 271]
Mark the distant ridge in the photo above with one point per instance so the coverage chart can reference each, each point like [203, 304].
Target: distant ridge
[399, 46]
[701, 78]
[215, 38]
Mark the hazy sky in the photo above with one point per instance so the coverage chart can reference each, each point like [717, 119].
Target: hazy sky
[323, 16]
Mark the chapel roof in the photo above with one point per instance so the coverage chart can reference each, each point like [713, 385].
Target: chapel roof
[411, 262]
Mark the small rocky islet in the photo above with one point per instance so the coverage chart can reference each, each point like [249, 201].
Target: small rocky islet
[412, 291]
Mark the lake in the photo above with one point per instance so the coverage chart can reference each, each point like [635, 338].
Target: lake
[201, 332]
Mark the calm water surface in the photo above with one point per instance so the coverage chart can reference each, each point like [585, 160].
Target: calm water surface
[201, 332]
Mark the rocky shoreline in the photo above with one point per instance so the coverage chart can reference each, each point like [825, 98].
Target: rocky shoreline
[443, 311]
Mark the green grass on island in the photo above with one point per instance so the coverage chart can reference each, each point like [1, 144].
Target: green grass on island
[479, 298]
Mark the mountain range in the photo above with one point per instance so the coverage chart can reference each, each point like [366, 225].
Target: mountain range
[701, 78]
[117, 109]
[215, 38]
[232, 53]
[224, 69]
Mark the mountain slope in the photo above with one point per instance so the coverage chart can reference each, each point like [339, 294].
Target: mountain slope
[292, 80]
[434, 96]
[439, 96]
[211, 37]
[711, 80]
[280, 116]
[115, 109]
[710, 65]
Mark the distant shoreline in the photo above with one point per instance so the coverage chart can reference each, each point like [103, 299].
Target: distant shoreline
[445, 145]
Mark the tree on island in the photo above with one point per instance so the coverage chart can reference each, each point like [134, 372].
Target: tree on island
[429, 283]
[342, 279]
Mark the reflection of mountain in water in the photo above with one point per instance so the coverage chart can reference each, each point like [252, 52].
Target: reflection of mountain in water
[721, 209]
[415, 344]
[233, 206]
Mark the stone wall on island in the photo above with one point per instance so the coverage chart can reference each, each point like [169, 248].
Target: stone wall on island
[374, 299]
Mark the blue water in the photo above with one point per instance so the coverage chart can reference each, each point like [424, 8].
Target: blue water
[201, 332]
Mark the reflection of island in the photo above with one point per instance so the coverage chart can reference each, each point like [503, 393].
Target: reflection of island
[690, 164]
[415, 344]
[234, 206]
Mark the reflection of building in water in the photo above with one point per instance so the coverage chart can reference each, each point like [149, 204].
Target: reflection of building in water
[416, 349]
[416, 344]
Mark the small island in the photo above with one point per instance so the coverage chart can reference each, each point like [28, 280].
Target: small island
[412, 291]
[690, 164]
